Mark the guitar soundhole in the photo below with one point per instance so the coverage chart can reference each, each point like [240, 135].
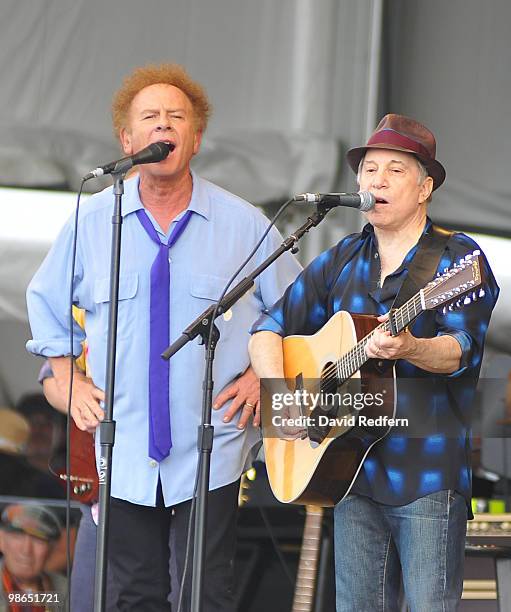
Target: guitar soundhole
[329, 381]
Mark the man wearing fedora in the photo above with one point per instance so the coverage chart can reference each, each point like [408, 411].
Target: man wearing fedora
[406, 512]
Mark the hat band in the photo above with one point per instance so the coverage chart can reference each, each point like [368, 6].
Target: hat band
[391, 137]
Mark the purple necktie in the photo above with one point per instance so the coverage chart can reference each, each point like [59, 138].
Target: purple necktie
[160, 439]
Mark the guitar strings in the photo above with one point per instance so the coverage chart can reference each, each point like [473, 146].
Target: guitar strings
[355, 358]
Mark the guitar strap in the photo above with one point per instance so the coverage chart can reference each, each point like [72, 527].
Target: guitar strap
[420, 272]
[424, 264]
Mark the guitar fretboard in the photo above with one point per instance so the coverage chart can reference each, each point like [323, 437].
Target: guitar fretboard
[307, 568]
[461, 279]
[356, 357]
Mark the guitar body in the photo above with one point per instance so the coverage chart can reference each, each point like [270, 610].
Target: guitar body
[322, 474]
[84, 476]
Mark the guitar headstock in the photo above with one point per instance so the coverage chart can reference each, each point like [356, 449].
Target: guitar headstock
[457, 286]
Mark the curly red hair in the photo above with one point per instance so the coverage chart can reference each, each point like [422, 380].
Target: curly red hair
[153, 74]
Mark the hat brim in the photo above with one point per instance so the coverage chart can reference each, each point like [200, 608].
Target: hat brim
[36, 521]
[435, 169]
[31, 532]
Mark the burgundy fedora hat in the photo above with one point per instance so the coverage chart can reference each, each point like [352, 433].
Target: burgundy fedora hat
[401, 133]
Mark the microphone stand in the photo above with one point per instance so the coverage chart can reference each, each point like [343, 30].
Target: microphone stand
[107, 426]
[201, 327]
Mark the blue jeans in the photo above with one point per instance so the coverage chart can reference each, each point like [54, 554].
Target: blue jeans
[84, 567]
[375, 544]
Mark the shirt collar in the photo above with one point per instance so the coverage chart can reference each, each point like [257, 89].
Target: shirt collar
[368, 229]
[368, 233]
[199, 202]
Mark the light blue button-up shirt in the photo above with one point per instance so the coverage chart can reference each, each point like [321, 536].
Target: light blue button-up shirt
[222, 231]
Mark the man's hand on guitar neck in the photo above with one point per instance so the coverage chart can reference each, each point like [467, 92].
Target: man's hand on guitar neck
[441, 354]
[85, 404]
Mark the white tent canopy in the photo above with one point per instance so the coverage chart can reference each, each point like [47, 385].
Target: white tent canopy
[289, 67]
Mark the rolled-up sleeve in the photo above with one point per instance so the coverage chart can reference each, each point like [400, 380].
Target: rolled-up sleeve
[277, 277]
[470, 324]
[303, 307]
[48, 301]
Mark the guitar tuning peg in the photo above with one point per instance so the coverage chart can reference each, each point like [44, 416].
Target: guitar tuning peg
[467, 300]
[468, 257]
[462, 260]
[457, 304]
[481, 293]
[446, 270]
[476, 253]
[474, 296]
[451, 308]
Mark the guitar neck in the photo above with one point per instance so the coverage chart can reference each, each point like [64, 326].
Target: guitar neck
[307, 568]
[446, 290]
[399, 319]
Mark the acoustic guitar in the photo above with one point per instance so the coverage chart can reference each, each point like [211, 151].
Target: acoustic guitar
[319, 467]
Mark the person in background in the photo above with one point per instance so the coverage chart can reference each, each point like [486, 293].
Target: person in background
[15, 473]
[28, 534]
[17, 476]
[47, 442]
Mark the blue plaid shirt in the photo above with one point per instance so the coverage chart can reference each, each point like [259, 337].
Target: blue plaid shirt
[403, 466]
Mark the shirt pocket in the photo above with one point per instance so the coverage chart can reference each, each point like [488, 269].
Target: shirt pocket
[126, 317]
[208, 289]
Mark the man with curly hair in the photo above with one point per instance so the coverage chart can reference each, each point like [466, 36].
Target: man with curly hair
[183, 237]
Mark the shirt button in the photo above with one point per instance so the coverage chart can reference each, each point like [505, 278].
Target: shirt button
[380, 364]
[376, 255]
[153, 463]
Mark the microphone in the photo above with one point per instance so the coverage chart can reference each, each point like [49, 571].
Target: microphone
[155, 152]
[363, 200]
